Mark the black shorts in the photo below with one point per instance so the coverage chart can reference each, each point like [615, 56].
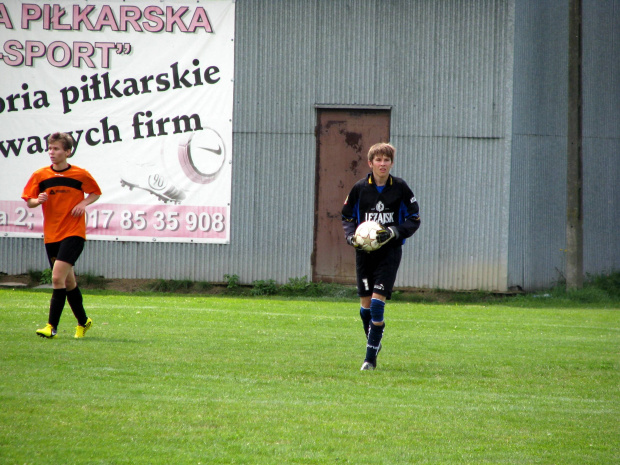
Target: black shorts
[376, 271]
[68, 250]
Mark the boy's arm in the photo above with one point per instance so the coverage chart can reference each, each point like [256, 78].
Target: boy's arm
[32, 203]
[411, 221]
[350, 215]
[80, 208]
[31, 193]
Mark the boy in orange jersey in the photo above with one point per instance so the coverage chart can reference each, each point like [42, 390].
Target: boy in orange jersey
[60, 190]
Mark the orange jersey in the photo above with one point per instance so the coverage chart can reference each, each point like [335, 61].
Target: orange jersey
[65, 189]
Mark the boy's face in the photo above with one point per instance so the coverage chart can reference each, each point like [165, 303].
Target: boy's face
[57, 153]
[380, 166]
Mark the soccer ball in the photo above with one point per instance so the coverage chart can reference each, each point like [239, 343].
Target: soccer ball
[366, 236]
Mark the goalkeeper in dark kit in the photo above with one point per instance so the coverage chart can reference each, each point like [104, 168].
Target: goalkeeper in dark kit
[389, 201]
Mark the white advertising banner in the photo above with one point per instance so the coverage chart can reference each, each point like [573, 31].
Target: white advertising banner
[146, 90]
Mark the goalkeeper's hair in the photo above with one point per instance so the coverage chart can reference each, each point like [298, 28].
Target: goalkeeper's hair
[382, 148]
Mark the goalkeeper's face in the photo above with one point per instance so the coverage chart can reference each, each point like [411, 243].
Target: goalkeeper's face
[381, 166]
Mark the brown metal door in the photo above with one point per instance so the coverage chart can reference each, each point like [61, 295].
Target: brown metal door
[343, 140]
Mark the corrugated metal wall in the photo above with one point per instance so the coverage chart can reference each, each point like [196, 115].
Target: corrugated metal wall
[601, 131]
[538, 184]
[445, 68]
[441, 66]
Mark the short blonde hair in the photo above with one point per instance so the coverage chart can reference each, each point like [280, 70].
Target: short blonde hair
[382, 148]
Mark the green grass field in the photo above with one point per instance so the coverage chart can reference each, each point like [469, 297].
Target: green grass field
[186, 379]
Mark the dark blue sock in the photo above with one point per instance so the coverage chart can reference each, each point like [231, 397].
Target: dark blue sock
[365, 315]
[377, 308]
[374, 342]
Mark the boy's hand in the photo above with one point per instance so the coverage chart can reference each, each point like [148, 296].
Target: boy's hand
[387, 234]
[79, 209]
[351, 241]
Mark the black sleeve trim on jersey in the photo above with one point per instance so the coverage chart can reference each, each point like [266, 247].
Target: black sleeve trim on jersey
[351, 220]
[60, 181]
[350, 211]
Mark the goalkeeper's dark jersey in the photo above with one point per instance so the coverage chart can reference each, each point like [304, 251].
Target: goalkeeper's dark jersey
[394, 206]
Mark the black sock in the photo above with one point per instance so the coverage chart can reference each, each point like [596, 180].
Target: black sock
[374, 341]
[74, 297]
[57, 303]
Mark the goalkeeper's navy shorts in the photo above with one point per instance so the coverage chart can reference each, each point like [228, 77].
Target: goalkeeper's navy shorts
[68, 250]
[376, 271]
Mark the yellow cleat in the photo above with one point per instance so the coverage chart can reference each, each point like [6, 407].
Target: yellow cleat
[49, 331]
[80, 331]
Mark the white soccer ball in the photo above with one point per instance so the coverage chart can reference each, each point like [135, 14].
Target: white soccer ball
[366, 235]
